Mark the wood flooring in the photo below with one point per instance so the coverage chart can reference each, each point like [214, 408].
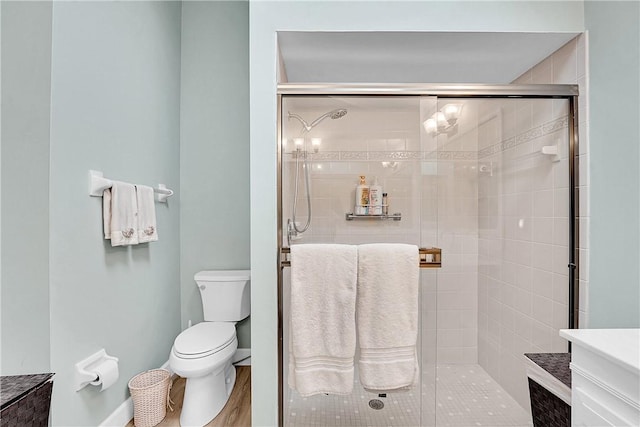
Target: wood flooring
[236, 413]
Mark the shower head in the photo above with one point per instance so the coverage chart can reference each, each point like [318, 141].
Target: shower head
[334, 114]
[337, 114]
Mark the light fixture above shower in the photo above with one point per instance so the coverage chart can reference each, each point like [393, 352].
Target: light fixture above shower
[443, 121]
[300, 145]
[315, 144]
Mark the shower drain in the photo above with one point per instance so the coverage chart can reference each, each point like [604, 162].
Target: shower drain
[376, 404]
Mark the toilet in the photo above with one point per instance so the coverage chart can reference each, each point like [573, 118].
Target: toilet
[202, 353]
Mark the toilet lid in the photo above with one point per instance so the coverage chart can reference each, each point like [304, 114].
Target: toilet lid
[205, 337]
[222, 275]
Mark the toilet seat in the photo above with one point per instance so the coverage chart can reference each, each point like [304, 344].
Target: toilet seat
[204, 339]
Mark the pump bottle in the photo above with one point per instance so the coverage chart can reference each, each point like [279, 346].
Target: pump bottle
[375, 198]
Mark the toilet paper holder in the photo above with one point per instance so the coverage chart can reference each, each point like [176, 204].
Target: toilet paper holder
[85, 370]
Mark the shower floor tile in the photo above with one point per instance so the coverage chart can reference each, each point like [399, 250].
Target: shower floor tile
[466, 396]
[400, 409]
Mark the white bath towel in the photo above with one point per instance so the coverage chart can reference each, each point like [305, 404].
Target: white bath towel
[124, 220]
[147, 228]
[323, 334]
[388, 283]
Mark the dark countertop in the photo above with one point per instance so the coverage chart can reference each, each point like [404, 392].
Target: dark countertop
[556, 364]
[14, 387]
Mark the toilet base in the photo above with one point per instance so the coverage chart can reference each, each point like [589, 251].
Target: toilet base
[204, 397]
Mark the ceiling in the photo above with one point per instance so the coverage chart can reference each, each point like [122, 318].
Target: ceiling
[413, 57]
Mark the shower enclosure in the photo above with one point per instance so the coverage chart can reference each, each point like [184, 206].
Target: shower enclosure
[487, 174]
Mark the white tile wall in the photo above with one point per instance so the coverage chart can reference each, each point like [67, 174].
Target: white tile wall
[523, 279]
[457, 280]
[530, 274]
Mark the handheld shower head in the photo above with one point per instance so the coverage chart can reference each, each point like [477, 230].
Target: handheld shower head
[334, 114]
[292, 227]
[339, 113]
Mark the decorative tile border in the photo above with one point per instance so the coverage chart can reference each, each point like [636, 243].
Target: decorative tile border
[451, 155]
[354, 155]
[394, 156]
[463, 155]
[508, 143]
[486, 152]
[555, 125]
[326, 156]
[531, 134]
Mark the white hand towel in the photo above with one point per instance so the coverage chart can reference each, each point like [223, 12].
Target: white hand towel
[388, 282]
[323, 335]
[147, 228]
[124, 220]
[106, 213]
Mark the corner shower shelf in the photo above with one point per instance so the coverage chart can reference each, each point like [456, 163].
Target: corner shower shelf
[351, 216]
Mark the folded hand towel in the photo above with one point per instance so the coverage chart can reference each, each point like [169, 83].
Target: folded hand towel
[323, 336]
[388, 279]
[147, 228]
[124, 221]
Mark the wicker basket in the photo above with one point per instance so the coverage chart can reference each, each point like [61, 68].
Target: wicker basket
[150, 395]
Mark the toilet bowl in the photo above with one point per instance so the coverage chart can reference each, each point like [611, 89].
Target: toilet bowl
[202, 354]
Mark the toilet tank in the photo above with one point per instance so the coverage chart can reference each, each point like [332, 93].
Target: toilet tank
[226, 294]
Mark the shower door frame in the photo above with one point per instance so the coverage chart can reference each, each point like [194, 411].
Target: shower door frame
[549, 91]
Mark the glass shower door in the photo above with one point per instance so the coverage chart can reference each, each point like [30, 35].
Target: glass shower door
[503, 200]
[486, 179]
[337, 140]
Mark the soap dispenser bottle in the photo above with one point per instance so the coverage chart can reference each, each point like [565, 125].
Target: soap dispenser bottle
[375, 198]
[362, 197]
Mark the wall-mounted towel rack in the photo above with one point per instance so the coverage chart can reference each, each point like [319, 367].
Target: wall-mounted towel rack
[429, 257]
[98, 183]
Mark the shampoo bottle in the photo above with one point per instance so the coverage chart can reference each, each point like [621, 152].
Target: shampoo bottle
[375, 198]
[362, 197]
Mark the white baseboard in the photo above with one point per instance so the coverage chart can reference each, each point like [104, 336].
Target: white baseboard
[242, 353]
[121, 416]
[124, 413]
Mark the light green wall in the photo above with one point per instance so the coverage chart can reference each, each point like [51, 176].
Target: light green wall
[1, 346]
[25, 108]
[112, 92]
[614, 155]
[214, 147]
[266, 18]
[115, 99]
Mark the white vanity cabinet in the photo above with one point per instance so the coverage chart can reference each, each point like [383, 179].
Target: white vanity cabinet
[605, 377]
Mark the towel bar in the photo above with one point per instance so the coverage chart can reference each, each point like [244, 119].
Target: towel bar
[98, 183]
[429, 257]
